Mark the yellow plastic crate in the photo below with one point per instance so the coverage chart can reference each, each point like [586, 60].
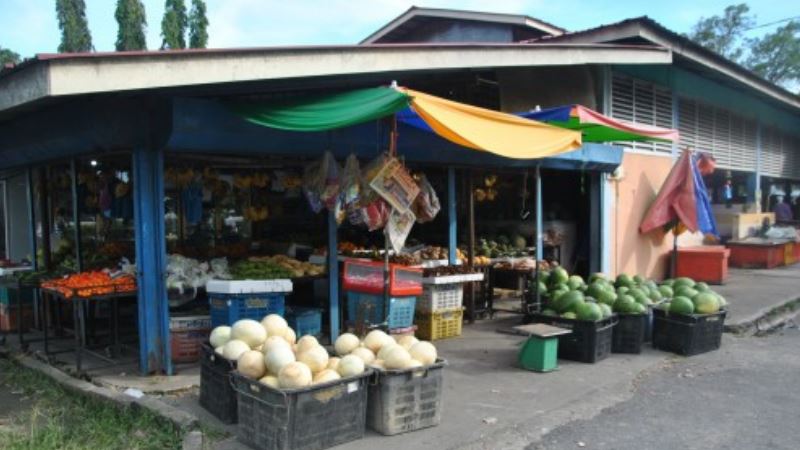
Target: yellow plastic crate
[439, 325]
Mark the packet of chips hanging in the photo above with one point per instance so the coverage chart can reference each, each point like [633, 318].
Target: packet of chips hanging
[351, 184]
[375, 214]
[426, 206]
[395, 185]
[321, 183]
[398, 227]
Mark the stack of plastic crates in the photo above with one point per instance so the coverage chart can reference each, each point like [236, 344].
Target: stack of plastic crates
[246, 299]
[440, 312]
[363, 281]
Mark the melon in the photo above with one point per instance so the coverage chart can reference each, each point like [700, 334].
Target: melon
[705, 303]
[681, 305]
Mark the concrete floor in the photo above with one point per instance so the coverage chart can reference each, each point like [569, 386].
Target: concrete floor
[752, 293]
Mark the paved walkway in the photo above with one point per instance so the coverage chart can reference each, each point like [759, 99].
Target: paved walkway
[753, 293]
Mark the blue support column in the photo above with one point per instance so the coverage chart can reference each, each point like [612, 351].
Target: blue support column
[32, 223]
[757, 193]
[148, 204]
[333, 276]
[452, 230]
[539, 249]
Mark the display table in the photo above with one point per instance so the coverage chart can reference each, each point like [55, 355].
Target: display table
[708, 263]
[757, 253]
[80, 306]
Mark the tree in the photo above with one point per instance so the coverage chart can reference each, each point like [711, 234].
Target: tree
[776, 56]
[173, 25]
[132, 23]
[198, 24]
[7, 57]
[723, 34]
[75, 36]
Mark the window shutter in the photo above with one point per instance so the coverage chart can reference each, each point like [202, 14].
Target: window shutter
[641, 102]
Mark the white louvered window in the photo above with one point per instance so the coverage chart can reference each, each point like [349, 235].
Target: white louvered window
[642, 102]
[772, 155]
[730, 137]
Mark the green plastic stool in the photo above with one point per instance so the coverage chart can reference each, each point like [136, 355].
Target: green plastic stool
[540, 351]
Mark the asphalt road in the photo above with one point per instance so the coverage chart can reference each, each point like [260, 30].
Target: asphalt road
[743, 396]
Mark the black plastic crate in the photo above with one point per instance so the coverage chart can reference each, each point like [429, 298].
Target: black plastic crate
[629, 333]
[406, 400]
[589, 341]
[217, 395]
[311, 418]
[687, 334]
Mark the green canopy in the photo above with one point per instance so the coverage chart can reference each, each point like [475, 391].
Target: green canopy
[320, 113]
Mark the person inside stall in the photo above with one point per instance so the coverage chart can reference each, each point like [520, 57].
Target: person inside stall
[783, 211]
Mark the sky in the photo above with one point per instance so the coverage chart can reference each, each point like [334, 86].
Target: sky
[29, 26]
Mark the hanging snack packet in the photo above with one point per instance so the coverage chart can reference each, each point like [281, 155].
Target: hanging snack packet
[398, 227]
[351, 183]
[426, 206]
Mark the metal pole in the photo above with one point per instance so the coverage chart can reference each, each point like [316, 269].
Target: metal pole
[76, 215]
[471, 248]
[538, 243]
[451, 216]
[333, 277]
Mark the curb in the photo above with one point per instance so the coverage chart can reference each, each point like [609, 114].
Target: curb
[182, 420]
[768, 320]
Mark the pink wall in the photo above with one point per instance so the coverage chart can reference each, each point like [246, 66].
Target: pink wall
[632, 252]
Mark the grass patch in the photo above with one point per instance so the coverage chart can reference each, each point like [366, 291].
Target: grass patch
[60, 419]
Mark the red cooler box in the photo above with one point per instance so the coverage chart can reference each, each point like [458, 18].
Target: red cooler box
[708, 263]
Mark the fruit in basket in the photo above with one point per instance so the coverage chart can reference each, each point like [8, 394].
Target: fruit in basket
[558, 276]
[275, 325]
[569, 315]
[624, 280]
[234, 348]
[685, 291]
[706, 303]
[722, 302]
[575, 282]
[351, 365]
[307, 342]
[569, 301]
[294, 375]
[681, 305]
[423, 352]
[220, 336]
[376, 339]
[346, 343]
[625, 304]
[271, 381]
[549, 312]
[407, 341]
[606, 310]
[364, 354]
[666, 291]
[396, 357]
[273, 342]
[249, 331]
[278, 357]
[588, 311]
[316, 358]
[251, 364]
[326, 376]
[702, 287]
[333, 362]
[290, 336]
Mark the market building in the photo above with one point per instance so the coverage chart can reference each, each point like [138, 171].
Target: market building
[101, 152]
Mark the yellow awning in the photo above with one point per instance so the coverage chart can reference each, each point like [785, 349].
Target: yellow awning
[495, 132]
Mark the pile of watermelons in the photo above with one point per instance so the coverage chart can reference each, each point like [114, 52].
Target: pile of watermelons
[570, 297]
[687, 297]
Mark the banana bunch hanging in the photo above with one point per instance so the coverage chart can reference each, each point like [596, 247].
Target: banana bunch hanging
[487, 192]
[256, 213]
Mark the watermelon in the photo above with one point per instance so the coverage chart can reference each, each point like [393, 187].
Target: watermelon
[640, 296]
[638, 279]
[575, 282]
[570, 301]
[702, 287]
[558, 276]
[685, 291]
[569, 315]
[589, 311]
[607, 297]
[681, 305]
[596, 289]
[598, 276]
[666, 291]
[705, 303]
[683, 281]
[722, 302]
[655, 295]
[624, 304]
[639, 308]
[668, 282]
[624, 280]
[623, 290]
[606, 310]
[663, 306]
[542, 288]
[549, 312]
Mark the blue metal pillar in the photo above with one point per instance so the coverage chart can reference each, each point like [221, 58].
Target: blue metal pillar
[333, 276]
[151, 255]
[539, 249]
[452, 235]
[32, 218]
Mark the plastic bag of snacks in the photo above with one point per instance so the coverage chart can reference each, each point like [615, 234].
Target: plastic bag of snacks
[376, 214]
[321, 183]
[426, 206]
